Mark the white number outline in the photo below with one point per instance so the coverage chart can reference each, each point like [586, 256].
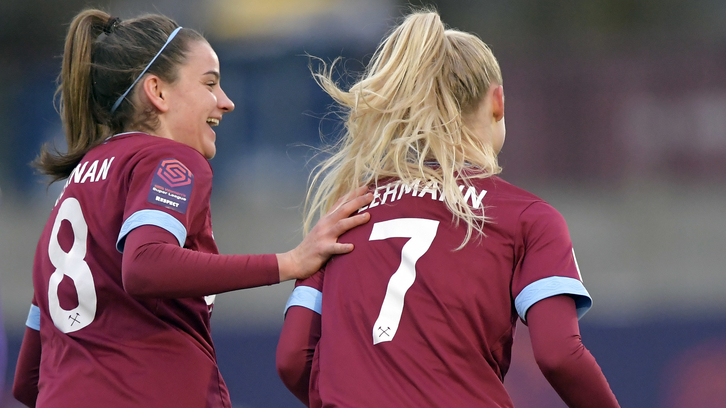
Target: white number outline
[73, 265]
[421, 232]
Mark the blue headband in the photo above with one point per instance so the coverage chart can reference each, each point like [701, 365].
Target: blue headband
[121, 98]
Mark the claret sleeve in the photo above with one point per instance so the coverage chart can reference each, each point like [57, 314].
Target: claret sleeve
[168, 188]
[547, 266]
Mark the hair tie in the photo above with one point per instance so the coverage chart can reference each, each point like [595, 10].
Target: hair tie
[111, 25]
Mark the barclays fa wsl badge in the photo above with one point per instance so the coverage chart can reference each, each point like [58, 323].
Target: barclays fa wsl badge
[171, 186]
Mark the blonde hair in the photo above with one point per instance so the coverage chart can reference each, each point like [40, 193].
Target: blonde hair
[407, 110]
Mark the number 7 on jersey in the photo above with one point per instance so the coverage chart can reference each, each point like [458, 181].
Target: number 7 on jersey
[421, 233]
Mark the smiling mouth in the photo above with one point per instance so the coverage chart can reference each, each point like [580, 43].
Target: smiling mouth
[213, 122]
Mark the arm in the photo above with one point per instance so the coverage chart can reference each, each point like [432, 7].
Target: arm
[300, 334]
[154, 264]
[563, 359]
[25, 385]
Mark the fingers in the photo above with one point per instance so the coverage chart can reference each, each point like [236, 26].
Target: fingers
[339, 219]
[352, 201]
[345, 224]
[358, 192]
[351, 195]
[339, 249]
[321, 243]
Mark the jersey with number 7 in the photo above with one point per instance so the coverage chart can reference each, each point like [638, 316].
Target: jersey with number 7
[409, 320]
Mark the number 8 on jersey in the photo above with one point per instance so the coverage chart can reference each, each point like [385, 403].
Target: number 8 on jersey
[73, 265]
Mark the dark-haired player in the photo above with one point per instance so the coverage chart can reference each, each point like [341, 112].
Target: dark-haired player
[126, 263]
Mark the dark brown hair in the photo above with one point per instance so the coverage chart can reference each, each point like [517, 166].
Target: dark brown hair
[101, 60]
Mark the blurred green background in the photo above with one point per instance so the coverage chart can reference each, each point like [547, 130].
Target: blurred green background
[616, 114]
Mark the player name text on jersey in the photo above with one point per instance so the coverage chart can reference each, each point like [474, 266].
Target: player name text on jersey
[84, 173]
[394, 191]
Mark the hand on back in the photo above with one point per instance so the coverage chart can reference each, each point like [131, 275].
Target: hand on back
[322, 241]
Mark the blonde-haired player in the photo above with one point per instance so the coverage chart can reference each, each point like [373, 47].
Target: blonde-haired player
[423, 312]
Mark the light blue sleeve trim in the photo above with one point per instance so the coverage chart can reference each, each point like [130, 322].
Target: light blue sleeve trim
[33, 318]
[151, 217]
[308, 297]
[553, 286]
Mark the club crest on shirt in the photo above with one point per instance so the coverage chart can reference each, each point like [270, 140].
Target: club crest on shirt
[171, 186]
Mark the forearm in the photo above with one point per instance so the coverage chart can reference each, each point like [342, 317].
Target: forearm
[565, 362]
[25, 385]
[154, 265]
[580, 383]
[298, 339]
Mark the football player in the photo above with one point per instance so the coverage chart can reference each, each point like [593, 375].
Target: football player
[423, 312]
[127, 263]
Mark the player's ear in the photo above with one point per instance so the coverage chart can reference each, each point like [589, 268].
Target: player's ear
[154, 90]
[497, 95]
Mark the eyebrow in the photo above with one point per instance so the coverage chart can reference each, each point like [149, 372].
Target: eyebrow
[212, 72]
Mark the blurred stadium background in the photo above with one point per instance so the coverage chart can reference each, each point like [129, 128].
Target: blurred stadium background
[616, 114]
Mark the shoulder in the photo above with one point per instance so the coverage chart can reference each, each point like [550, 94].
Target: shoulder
[521, 205]
[501, 193]
[508, 190]
[151, 153]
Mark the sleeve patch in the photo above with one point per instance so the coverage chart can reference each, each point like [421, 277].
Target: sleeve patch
[308, 297]
[33, 321]
[553, 286]
[171, 186]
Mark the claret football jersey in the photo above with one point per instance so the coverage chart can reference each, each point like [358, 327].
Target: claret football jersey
[409, 320]
[101, 346]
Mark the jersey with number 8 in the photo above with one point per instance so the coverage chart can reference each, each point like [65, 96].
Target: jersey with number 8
[97, 339]
[442, 319]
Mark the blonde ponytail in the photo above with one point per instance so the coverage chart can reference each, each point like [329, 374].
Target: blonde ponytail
[405, 113]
